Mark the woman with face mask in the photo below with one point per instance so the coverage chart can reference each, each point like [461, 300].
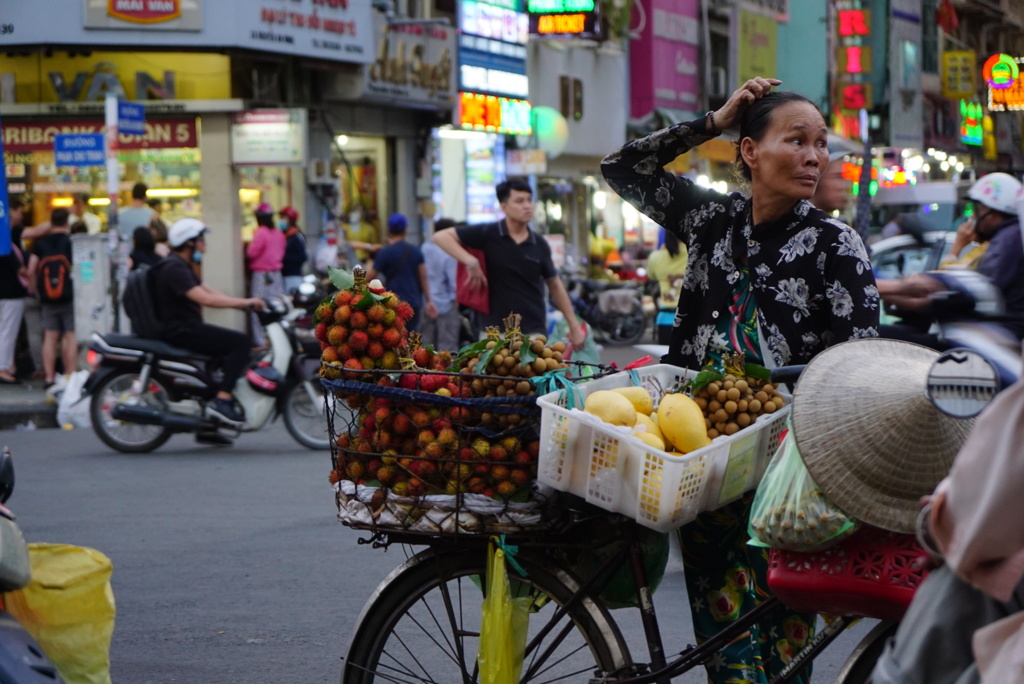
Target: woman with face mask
[770, 277]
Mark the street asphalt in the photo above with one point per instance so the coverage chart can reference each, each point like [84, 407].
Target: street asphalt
[229, 564]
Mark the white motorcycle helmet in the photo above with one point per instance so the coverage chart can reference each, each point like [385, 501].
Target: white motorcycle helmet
[999, 191]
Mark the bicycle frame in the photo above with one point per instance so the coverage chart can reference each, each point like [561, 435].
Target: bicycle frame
[659, 670]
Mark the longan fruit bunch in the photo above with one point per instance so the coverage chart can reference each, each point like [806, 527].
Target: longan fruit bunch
[733, 403]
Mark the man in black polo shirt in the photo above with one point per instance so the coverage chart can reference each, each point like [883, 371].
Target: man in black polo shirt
[518, 264]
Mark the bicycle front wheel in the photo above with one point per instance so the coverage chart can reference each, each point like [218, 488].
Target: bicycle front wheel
[423, 624]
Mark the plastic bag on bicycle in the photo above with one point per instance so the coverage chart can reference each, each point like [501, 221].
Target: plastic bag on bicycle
[789, 510]
[503, 625]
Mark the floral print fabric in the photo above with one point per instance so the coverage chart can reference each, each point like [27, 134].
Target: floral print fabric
[810, 273]
[725, 578]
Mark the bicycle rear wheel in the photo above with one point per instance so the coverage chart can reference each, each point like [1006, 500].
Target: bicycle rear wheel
[423, 624]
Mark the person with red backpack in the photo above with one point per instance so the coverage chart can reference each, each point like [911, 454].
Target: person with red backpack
[49, 273]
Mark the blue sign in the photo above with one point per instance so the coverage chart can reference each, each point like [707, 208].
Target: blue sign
[79, 149]
[5, 208]
[131, 118]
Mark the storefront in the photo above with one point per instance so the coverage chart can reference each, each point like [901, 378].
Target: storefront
[56, 94]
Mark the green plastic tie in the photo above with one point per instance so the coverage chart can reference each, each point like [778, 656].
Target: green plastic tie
[510, 551]
[634, 376]
[554, 380]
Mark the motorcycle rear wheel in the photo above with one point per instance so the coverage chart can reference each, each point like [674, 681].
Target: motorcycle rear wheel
[304, 415]
[623, 329]
[130, 438]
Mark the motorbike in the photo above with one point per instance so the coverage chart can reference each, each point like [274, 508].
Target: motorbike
[22, 661]
[614, 310]
[142, 391]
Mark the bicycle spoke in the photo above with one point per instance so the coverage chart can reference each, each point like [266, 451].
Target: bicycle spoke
[377, 673]
[457, 626]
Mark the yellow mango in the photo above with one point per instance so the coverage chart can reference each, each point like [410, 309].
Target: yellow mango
[651, 440]
[639, 397]
[649, 425]
[682, 423]
[611, 407]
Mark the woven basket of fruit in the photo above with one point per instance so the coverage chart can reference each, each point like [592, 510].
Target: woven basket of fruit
[639, 444]
[431, 442]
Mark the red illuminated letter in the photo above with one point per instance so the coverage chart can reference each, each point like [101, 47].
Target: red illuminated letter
[852, 23]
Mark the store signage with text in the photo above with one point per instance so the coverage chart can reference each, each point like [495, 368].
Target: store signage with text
[564, 18]
[34, 136]
[268, 137]
[333, 30]
[63, 78]
[494, 114]
[415, 62]
[664, 62]
[492, 44]
[158, 15]
[854, 58]
[958, 74]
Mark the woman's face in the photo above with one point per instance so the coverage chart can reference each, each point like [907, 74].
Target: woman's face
[792, 155]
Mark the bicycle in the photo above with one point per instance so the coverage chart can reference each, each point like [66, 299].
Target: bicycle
[423, 621]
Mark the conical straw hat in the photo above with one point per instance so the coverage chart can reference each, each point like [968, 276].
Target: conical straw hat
[871, 439]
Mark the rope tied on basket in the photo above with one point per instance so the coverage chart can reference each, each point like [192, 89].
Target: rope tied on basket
[510, 551]
[555, 380]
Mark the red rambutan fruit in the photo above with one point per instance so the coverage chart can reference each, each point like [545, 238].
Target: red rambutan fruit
[391, 338]
[375, 350]
[358, 320]
[320, 331]
[342, 314]
[358, 340]
[376, 312]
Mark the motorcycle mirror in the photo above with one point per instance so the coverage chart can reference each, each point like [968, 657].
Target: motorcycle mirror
[307, 289]
[961, 383]
[6, 475]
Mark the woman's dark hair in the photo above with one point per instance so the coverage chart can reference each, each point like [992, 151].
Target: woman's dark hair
[79, 227]
[672, 244]
[159, 229]
[142, 239]
[758, 117]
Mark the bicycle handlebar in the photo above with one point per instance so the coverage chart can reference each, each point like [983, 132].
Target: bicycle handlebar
[787, 375]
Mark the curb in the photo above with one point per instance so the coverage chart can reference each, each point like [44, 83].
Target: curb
[42, 415]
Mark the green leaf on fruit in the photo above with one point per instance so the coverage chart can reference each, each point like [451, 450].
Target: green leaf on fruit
[759, 372]
[521, 495]
[471, 350]
[366, 300]
[373, 483]
[485, 358]
[526, 355]
[343, 280]
[704, 378]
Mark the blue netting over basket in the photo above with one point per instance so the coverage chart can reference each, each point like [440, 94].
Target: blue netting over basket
[417, 461]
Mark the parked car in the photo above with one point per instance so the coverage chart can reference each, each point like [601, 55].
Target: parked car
[902, 255]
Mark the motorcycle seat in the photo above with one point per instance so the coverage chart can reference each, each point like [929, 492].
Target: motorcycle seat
[161, 349]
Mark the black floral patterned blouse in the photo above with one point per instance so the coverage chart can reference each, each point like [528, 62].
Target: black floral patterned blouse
[809, 273]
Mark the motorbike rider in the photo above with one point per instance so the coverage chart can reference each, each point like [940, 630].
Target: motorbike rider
[996, 223]
[180, 296]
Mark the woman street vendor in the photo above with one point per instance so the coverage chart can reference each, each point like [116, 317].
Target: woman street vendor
[769, 276]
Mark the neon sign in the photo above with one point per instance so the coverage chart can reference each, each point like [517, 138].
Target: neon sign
[854, 58]
[1000, 71]
[1005, 83]
[569, 18]
[493, 114]
[971, 114]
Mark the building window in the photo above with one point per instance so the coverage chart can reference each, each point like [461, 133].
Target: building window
[929, 37]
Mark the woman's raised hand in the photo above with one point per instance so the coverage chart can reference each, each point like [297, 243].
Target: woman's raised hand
[730, 113]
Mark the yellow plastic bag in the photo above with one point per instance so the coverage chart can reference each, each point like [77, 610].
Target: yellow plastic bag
[69, 609]
[503, 627]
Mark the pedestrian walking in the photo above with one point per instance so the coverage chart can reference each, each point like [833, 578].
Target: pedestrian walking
[295, 253]
[137, 213]
[442, 330]
[143, 249]
[265, 256]
[49, 271]
[402, 266]
[667, 267]
[518, 263]
[13, 278]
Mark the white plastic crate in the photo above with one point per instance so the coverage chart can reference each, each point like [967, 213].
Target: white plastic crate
[612, 469]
